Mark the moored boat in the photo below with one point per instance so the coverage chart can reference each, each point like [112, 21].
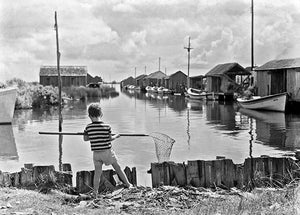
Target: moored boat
[196, 94]
[276, 102]
[7, 103]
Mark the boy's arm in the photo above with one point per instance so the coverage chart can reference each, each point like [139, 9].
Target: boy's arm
[85, 136]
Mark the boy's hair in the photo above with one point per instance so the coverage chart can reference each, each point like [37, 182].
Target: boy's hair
[94, 110]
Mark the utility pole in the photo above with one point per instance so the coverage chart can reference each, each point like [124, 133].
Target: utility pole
[189, 50]
[58, 77]
[145, 70]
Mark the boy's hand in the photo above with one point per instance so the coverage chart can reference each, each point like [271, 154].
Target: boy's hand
[85, 136]
[115, 136]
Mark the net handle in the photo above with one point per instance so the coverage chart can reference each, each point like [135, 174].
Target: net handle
[81, 133]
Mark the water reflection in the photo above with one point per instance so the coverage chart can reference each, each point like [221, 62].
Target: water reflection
[222, 116]
[273, 129]
[8, 149]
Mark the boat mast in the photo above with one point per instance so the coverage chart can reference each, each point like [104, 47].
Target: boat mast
[58, 77]
[189, 50]
[252, 37]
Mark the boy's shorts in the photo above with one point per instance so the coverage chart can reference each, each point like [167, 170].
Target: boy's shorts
[107, 156]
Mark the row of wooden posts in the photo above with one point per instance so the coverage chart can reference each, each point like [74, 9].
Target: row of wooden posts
[254, 172]
[35, 177]
[221, 172]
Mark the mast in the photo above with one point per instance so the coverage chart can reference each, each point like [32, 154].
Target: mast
[135, 76]
[252, 37]
[159, 64]
[58, 77]
[189, 50]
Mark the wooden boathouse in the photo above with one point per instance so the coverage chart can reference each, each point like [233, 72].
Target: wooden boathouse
[70, 75]
[177, 82]
[221, 80]
[155, 79]
[278, 76]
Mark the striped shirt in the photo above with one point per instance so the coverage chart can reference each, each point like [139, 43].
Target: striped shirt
[99, 135]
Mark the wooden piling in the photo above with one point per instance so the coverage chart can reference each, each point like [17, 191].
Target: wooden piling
[254, 172]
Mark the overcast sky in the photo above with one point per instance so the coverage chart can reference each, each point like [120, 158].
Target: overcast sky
[112, 37]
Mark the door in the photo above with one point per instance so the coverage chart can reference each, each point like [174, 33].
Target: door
[278, 81]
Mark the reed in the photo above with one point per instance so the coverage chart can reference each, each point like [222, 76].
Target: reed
[83, 93]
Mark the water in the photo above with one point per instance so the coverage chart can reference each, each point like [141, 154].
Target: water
[202, 130]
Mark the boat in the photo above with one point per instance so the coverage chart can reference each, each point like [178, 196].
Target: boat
[196, 94]
[7, 103]
[148, 88]
[276, 102]
[163, 90]
[7, 144]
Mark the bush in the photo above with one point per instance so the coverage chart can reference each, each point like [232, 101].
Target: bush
[34, 95]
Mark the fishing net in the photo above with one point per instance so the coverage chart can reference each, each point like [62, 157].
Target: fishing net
[163, 146]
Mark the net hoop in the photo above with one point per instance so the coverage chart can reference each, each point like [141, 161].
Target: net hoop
[163, 146]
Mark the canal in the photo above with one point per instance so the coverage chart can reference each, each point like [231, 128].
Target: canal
[201, 129]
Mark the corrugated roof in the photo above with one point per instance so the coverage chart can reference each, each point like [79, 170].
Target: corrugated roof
[64, 71]
[227, 68]
[280, 64]
[157, 75]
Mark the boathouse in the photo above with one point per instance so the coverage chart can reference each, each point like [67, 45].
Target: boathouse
[70, 75]
[279, 76]
[140, 80]
[128, 81]
[155, 79]
[96, 79]
[221, 79]
[198, 82]
[177, 82]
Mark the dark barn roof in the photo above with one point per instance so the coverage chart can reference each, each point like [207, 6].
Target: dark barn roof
[280, 64]
[227, 68]
[178, 72]
[156, 75]
[140, 77]
[64, 71]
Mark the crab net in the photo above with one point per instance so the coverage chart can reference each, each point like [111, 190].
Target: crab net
[163, 146]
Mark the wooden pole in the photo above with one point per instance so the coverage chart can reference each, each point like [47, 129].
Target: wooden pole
[60, 119]
[252, 35]
[59, 77]
[81, 133]
[189, 50]
[159, 64]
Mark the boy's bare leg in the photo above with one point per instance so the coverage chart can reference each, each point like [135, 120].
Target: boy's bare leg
[121, 174]
[97, 175]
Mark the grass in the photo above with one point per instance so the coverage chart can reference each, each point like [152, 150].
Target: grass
[259, 201]
[83, 93]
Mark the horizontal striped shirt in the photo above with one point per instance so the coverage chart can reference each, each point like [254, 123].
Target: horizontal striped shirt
[99, 135]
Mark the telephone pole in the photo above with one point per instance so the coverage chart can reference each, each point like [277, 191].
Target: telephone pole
[189, 50]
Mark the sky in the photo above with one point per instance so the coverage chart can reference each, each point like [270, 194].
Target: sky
[116, 39]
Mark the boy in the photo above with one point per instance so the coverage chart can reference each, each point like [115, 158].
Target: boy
[100, 137]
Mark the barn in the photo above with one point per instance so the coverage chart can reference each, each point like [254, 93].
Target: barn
[222, 78]
[70, 75]
[278, 76]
